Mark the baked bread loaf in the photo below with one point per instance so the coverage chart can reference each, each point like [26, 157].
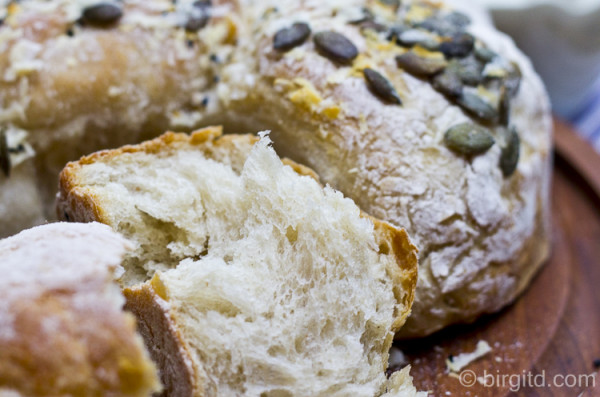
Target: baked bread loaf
[77, 76]
[63, 331]
[419, 111]
[249, 278]
[427, 118]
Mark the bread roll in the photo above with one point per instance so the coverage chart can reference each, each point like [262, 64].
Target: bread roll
[249, 278]
[480, 219]
[74, 85]
[62, 328]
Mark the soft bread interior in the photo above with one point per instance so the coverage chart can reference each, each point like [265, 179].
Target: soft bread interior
[275, 285]
[164, 195]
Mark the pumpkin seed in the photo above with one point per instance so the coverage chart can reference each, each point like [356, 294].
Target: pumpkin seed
[484, 54]
[509, 157]
[459, 46]
[440, 26]
[458, 19]
[200, 15]
[381, 87]
[513, 80]
[335, 47]
[448, 25]
[468, 139]
[437, 26]
[412, 37]
[367, 15]
[102, 14]
[504, 108]
[372, 25]
[431, 45]
[421, 65]
[396, 31]
[470, 70]
[291, 37]
[448, 82]
[478, 107]
[4, 153]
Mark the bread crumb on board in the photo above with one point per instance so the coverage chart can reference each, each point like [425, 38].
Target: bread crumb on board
[456, 363]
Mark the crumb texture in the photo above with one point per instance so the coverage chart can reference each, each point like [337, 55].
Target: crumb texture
[274, 285]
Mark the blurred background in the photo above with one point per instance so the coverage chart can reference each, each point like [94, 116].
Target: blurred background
[562, 37]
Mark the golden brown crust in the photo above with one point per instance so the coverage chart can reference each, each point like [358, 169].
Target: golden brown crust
[78, 358]
[167, 348]
[300, 169]
[62, 328]
[396, 241]
[167, 141]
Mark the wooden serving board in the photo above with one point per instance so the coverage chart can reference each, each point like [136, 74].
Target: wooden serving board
[554, 327]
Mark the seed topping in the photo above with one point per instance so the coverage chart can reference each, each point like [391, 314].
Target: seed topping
[381, 87]
[421, 62]
[448, 82]
[509, 157]
[459, 46]
[102, 14]
[484, 54]
[335, 47]
[478, 107]
[468, 139]
[199, 16]
[437, 48]
[288, 38]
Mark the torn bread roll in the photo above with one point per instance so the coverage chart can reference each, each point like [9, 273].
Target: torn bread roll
[249, 278]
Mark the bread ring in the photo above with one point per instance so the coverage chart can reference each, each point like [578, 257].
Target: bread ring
[427, 118]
